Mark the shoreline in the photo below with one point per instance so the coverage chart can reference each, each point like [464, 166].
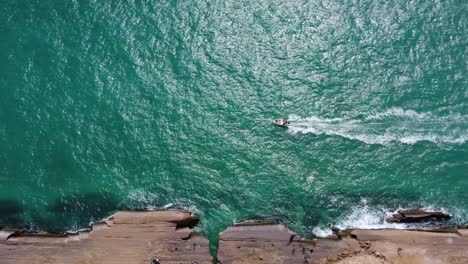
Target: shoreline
[140, 236]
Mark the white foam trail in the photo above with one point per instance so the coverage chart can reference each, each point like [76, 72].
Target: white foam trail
[393, 125]
[399, 112]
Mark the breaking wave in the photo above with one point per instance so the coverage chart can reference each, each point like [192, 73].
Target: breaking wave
[394, 125]
[363, 216]
[139, 199]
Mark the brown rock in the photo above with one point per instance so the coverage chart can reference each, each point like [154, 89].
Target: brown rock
[149, 217]
[132, 237]
[138, 237]
[463, 232]
[404, 246]
[269, 244]
[260, 243]
[277, 233]
[413, 216]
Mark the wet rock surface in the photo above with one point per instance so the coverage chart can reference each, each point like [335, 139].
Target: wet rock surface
[417, 216]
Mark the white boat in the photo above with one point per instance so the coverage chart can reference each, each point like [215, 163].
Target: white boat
[281, 122]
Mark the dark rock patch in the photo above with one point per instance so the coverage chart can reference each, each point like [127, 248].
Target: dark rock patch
[189, 222]
[417, 216]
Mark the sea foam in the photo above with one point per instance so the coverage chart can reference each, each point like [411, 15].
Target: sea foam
[363, 216]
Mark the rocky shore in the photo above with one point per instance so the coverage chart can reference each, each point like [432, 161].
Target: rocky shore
[139, 237]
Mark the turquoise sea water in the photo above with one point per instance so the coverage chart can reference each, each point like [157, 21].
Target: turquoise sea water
[107, 105]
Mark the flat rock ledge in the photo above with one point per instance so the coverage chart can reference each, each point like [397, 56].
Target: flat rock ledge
[138, 237]
[261, 244]
[128, 237]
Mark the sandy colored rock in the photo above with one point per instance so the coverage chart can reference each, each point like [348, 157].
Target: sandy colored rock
[261, 244]
[405, 246]
[138, 237]
[361, 259]
[270, 244]
[463, 232]
[411, 237]
[129, 238]
[150, 217]
[272, 232]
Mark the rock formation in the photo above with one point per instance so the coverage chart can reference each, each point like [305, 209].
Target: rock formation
[251, 243]
[130, 237]
[413, 216]
[262, 244]
[138, 237]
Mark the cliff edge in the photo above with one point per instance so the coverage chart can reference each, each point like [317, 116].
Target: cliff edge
[129, 237]
[140, 237]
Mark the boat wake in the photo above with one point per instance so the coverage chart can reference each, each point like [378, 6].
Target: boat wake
[394, 125]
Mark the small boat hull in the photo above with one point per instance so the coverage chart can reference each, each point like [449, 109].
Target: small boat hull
[281, 122]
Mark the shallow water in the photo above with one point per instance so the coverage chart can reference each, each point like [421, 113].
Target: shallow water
[145, 104]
